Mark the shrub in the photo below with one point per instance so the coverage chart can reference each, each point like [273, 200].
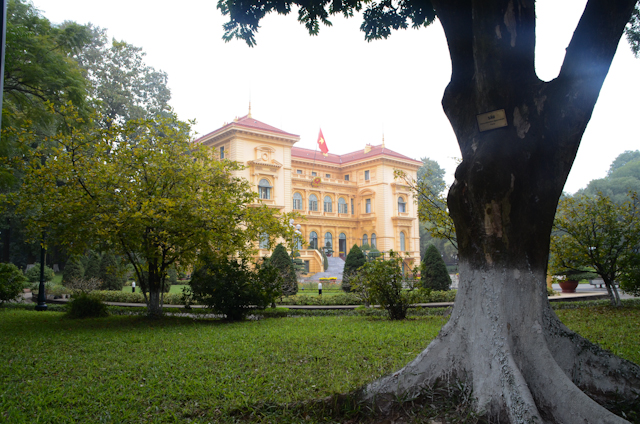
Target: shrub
[92, 268]
[230, 287]
[33, 275]
[434, 271]
[12, 282]
[339, 299]
[82, 284]
[172, 276]
[381, 281]
[86, 306]
[112, 273]
[73, 270]
[281, 260]
[355, 259]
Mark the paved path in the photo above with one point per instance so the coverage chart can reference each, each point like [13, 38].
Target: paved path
[563, 297]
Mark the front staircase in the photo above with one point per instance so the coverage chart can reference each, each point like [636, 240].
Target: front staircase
[336, 267]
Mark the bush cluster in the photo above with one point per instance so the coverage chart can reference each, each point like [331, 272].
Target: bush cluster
[233, 288]
[33, 275]
[12, 282]
[86, 306]
[355, 259]
[339, 299]
[281, 260]
[137, 297]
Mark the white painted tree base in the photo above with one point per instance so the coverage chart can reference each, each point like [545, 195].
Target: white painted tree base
[524, 366]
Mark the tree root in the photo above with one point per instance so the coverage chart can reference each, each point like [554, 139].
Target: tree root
[523, 367]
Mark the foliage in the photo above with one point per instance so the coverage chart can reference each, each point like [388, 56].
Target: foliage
[137, 297]
[355, 259]
[112, 274]
[632, 31]
[281, 260]
[82, 284]
[378, 18]
[381, 282]
[39, 77]
[12, 281]
[146, 191]
[122, 85]
[33, 274]
[597, 234]
[434, 274]
[172, 275]
[92, 262]
[623, 176]
[432, 207]
[86, 306]
[73, 270]
[338, 299]
[230, 287]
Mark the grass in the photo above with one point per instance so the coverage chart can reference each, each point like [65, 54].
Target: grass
[130, 369]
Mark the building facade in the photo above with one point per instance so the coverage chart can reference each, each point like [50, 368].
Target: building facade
[344, 200]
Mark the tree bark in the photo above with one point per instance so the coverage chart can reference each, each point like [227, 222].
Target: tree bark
[503, 339]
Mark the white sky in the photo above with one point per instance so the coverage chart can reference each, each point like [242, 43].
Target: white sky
[354, 90]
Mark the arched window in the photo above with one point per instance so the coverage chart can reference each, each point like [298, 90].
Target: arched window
[374, 241]
[402, 206]
[365, 239]
[342, 206]
[313, 240]
[313, 203]
[402, 242]
[264, 189]
[328, 205]
[297, 201]
[328, 240]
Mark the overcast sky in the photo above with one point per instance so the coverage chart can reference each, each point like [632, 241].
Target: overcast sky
[356, 91]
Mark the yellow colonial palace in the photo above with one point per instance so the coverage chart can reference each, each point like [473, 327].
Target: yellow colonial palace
[343, 199]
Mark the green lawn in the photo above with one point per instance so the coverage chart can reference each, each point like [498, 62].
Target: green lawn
[125, 369]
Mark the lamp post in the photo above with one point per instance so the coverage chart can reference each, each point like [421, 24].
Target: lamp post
[42, 305]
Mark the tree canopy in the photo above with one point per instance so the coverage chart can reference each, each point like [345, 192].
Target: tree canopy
[623, 176]
[145, 190]
[597, 234]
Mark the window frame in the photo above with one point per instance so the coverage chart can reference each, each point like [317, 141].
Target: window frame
[327, 205]
[264, 190]
[313, 206]
[297, 200]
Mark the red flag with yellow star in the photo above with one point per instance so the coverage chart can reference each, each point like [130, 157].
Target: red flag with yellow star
[323, 145]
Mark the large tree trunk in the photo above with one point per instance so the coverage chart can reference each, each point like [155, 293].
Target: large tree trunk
[503, 338]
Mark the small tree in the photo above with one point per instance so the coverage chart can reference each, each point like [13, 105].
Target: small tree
[230, 287]
[11, 282]
[598, 234]
[434, 271]
[355, 259]
[112, 273]
[33, 275]
[381, 282]
[93, 262]
[73, 270]
[281, 260]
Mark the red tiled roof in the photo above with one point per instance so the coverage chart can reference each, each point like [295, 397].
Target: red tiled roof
[298, 152]
[248, 122]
